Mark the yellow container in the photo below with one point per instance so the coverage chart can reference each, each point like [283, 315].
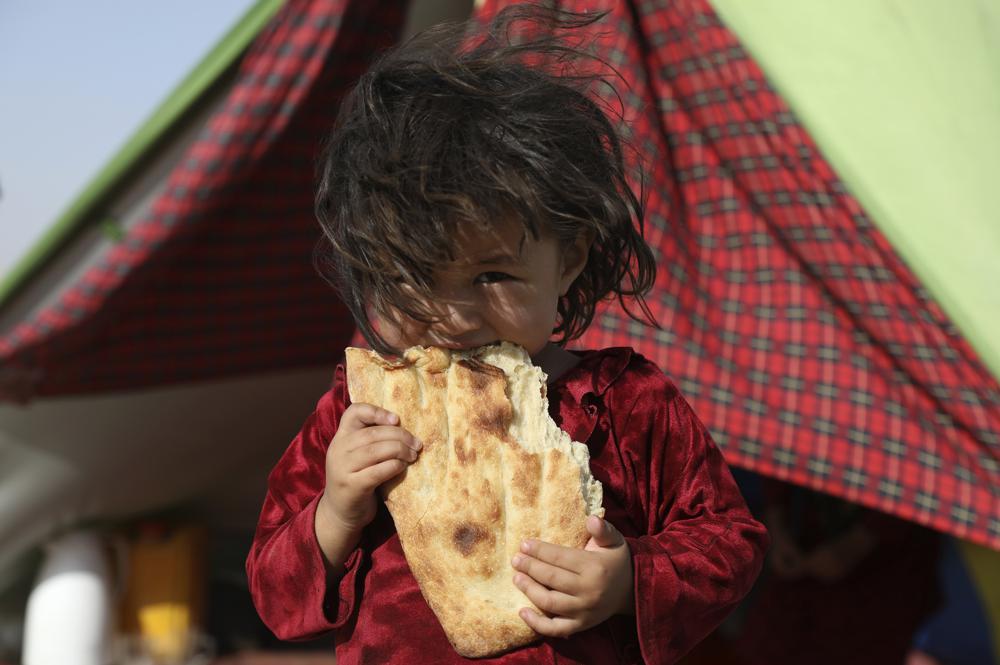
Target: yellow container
[164, 595]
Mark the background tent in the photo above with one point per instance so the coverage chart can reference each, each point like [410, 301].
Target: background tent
[794, 326]
[168, 300]
[205, 276]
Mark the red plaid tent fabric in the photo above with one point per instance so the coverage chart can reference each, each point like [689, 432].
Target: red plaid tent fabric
[218, 278]
[802, 339]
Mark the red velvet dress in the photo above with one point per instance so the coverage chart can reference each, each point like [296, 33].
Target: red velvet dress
[696, 550]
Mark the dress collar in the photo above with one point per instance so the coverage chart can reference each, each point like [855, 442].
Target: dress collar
[595, 373]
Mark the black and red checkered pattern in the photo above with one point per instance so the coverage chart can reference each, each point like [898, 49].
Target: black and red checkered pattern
[218, 279]
[802, 339]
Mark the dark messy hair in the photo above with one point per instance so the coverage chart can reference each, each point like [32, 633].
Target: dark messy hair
[445, 131]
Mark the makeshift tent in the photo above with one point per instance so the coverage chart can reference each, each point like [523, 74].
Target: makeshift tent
[794, 326]
[168, 374]
[216, 278]
[903, 103]
[790, 321]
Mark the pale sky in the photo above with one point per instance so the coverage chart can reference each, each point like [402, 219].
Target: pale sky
[76, 80]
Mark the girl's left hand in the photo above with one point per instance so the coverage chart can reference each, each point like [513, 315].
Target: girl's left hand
[577, 589]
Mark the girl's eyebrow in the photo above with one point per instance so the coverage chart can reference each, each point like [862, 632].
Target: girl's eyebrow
[504, 257]
[501, 257]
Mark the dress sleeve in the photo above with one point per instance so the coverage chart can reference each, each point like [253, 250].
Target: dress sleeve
[702, 549]
[291, 587]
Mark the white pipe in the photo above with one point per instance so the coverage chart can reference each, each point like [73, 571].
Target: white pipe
[68, 619]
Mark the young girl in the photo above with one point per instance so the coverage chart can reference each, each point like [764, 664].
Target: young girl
[470, 197]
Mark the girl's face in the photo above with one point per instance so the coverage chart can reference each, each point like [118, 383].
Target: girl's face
[505, 286]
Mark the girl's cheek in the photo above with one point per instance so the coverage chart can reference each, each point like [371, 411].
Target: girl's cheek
[401, 334]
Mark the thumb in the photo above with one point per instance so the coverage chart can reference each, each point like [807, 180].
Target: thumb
[602, 533]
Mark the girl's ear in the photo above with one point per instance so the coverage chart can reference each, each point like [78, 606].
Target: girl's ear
[574, 260]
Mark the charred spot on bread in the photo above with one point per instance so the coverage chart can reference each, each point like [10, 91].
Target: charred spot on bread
[495, 420]
[482, 373]
[467, 535]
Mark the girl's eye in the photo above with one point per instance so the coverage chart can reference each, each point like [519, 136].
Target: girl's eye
[492, 277]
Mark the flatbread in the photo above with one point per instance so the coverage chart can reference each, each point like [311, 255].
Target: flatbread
[494, 470]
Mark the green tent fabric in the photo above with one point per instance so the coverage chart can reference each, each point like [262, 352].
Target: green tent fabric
[903, 98]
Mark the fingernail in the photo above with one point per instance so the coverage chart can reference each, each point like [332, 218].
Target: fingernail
[417, 443]
[516, 561]
[525, 546]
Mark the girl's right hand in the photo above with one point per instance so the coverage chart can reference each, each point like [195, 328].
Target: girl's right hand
[369, 448]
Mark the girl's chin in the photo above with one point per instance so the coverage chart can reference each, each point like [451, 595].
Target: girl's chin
[545, 350]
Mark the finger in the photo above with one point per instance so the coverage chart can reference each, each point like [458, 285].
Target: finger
[568, 558]
[546, 574]
[549, 626]
[375, 453]
[371, 477]
[378, 433]
[547, 600]
[361, 414]
[602, 533]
